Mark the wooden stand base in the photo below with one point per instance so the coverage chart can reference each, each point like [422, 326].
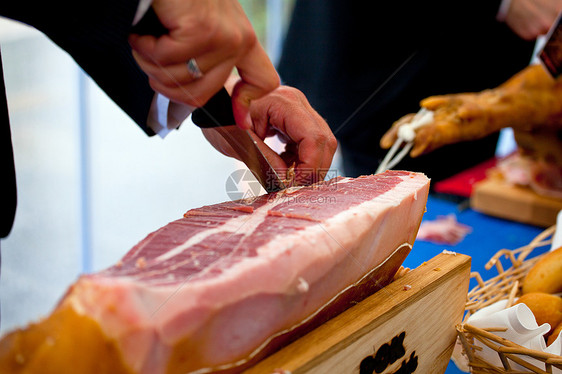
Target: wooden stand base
[408, 326]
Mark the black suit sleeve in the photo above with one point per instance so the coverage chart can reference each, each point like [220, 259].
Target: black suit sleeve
[95, 35]
[8, 199]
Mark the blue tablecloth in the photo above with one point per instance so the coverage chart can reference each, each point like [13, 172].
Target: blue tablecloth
[489, 234]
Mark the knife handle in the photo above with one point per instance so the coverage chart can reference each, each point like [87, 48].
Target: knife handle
[149, 24]
[216, 112]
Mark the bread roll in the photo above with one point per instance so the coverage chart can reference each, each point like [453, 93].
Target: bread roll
[545, 275]
[546, 308]
[552, 337]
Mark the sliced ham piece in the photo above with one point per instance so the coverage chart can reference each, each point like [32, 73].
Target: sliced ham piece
[228, 283]
[443, 230]
[544, 178]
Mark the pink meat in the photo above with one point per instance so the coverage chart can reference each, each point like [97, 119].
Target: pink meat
[443, 230]
[231, 277]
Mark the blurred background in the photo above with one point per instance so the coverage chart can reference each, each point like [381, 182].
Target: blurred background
[90, 183]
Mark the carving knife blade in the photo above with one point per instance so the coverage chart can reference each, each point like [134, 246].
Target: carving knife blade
[217, 115]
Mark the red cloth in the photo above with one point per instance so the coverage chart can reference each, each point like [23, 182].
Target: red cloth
[461, 184]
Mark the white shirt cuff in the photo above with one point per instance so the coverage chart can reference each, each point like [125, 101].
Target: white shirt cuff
[165, 115]
[141, 10]
[502, 11]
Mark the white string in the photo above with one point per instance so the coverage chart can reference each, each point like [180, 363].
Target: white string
[406, 134]
[400, 155]
[383, 165]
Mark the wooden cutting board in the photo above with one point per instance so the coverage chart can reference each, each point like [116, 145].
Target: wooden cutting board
[497, 198]
[406, 327]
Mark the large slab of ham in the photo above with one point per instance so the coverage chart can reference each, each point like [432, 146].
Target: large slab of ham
[226, 284]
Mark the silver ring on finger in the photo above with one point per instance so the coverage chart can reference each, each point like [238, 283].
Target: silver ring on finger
[193, 68]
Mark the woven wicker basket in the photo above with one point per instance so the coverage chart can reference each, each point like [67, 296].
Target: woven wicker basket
[504, 286]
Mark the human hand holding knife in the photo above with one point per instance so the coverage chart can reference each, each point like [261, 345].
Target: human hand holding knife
[285, 110]
[217, 116]
[217, 36]
[309, 143]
